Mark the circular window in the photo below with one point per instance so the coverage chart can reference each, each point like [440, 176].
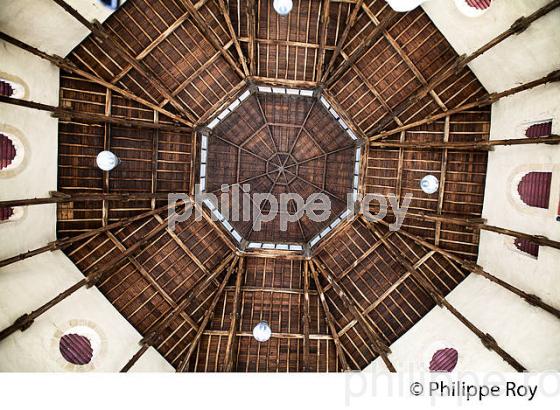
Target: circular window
[79, 345]
[444, 360]
[429, 184]
[262, 332]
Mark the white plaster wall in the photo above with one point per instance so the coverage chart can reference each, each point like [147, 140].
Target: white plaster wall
[505, 163]
[39, 132]
[45, 25]
[520, 58]
[439, 329]
[529, 334]
[26, 285]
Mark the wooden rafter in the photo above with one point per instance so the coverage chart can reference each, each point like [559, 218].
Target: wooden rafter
[480, 224]
[324, 25]
[109, 40]
[154, 337]
[484, 145]
[225, 13]
[66, 114]
[481, 102]
[232, 339]
[486, 339]
[352, 18]
[252, 33]
[403, 55]
[361, 49]
[207, 316]
[156, 42]
[151, 281]
[377, 344]
[305, 316]
[518, 27]
[202, 26]
[58, 198]
[71, 67]
[343, 363]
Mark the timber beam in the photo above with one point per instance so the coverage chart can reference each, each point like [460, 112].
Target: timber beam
[487, 100]
[69, 66]
[93, 118]
[183, 365]
[486, 339]
[154, 337]
[518, 27]
[109, 41]
[377, 344]
[343, 362]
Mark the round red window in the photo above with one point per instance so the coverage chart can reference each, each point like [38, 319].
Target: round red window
[76, 349]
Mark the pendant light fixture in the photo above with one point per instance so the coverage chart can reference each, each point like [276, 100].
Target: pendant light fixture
[429, 184]
[107, 161]
[283, 7]
[262, 332]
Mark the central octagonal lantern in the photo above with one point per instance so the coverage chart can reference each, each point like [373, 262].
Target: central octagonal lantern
[275, 141]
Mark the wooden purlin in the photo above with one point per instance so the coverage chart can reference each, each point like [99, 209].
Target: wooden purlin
[92, 278]
[207, 316]
[154, 337]
[518, 27]
[106, 39]
[486, 339]
[67, 65]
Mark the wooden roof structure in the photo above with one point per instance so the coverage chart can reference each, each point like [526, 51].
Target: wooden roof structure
[282, 144]
[146, 83]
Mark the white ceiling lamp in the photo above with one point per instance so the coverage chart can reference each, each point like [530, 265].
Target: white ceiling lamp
[402, 6]
[262, 332]
[429, 184]
[283, 7]
[107, 161]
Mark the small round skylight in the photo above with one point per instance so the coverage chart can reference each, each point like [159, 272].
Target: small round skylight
[429, 184]
[262, 332]
[107, 161]
[283, 7]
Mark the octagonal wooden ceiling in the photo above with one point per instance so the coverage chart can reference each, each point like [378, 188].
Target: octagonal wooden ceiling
[281, 144]
[191, 292]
